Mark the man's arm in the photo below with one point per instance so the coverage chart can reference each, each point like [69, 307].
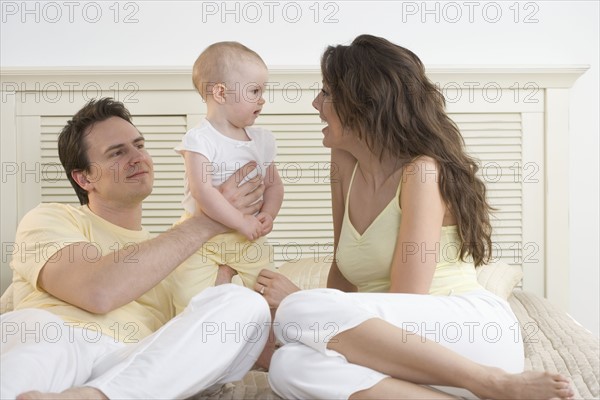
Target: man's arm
[103, 285]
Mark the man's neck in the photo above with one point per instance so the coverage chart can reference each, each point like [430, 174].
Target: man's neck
[128, 217]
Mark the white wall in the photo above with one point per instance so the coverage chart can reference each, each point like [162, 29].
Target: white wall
[165, 33]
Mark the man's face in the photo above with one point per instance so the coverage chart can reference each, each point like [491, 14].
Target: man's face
[121, 170]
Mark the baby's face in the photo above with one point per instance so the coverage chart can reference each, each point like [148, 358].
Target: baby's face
[245, 89]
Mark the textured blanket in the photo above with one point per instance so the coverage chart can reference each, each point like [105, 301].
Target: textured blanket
[553, 342]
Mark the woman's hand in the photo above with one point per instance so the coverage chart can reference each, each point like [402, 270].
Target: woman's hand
[274, 287]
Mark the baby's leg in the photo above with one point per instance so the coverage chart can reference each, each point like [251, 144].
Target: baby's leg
[225, 275]
[193, 276]
[252, 258]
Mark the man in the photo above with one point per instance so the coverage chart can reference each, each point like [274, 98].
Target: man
[92, 312]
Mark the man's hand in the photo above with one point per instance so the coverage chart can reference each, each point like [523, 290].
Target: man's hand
[246, 196]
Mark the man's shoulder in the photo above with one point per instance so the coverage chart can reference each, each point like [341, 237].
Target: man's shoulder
[56, 210]
[49, 218]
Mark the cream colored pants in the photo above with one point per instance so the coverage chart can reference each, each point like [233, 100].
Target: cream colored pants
[477, 325]
[215, 340]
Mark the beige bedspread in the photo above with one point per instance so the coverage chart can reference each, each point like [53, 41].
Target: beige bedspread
[553, 342]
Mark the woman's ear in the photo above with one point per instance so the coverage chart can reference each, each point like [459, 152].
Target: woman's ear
[218, 91]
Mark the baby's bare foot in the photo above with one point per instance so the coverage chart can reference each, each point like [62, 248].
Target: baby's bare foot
[79, 393]
[533, 385]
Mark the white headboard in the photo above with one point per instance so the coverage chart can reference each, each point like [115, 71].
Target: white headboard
[514, 119]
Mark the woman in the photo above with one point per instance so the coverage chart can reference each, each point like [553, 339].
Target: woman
[411, 223]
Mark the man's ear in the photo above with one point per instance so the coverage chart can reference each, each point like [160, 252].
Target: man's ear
[81, 178]
[218, 93]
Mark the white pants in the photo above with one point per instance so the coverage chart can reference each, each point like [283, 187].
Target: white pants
[215, 340]
[477, 325]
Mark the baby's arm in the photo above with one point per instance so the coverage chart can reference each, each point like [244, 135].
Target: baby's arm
[198, 169]
[272, 199]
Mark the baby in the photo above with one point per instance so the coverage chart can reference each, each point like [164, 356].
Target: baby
[231, 79]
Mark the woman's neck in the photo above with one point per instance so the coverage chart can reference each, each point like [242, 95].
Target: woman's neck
[376, 170]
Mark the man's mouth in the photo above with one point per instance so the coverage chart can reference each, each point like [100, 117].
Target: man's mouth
[137, 174]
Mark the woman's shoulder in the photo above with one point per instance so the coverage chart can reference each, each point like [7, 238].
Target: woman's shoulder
[422, 169]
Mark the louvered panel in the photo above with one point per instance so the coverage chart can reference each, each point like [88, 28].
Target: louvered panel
[163, 133]
[54, 189]
[496, 141]
[162, 208]
[304, 226]
[297, 218]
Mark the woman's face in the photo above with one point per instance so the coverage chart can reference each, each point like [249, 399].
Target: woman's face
[333, 131]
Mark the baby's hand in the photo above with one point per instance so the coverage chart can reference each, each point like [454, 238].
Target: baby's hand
[266, 221]
[251, 227]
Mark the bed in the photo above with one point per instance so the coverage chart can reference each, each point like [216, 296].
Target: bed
[553, 340]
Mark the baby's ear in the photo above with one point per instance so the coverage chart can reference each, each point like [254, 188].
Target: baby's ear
[218, 92]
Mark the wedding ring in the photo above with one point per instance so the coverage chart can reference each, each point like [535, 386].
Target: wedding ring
[262, 290]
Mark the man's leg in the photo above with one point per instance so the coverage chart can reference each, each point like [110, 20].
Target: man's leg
[217, 339]
[42, 352]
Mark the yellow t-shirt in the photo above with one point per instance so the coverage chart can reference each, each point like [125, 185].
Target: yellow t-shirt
[50, 227]
[366, 260]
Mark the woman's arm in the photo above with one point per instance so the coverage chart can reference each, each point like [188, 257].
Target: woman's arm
[342, 164]
[417, 247]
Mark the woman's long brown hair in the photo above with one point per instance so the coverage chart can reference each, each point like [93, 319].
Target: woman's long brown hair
[381, 92]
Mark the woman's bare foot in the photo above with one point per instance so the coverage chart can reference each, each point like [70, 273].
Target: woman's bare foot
[78, 393]
[532, 385]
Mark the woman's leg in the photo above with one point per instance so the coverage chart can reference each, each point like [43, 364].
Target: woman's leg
[430, 363]
[472, 331]
[393, 389]
[300, 372]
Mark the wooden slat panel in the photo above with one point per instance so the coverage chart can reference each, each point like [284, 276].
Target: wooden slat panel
[304, 224]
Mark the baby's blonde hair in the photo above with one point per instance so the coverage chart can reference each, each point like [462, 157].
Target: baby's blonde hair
[215, 63]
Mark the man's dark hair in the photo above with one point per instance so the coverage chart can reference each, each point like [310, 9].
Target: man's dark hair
[72, 147]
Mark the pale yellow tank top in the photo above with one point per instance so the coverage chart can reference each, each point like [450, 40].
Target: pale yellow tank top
[365, 260]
